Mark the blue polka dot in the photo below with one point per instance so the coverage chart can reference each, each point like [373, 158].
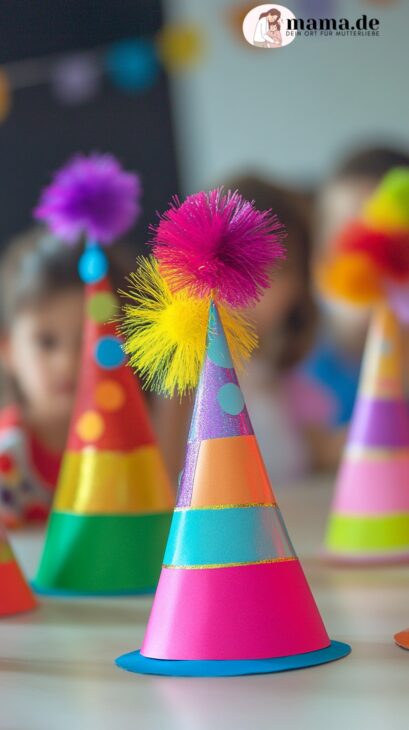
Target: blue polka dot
[231, 399]
[109, 353]
[93, 265]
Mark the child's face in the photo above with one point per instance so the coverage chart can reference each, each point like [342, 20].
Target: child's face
[42, 353]
[339, 203]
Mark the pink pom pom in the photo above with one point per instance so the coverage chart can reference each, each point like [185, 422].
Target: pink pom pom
[217, 244]
[91, 196]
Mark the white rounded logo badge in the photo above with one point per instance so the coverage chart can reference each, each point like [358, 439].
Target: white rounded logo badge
[266, 26]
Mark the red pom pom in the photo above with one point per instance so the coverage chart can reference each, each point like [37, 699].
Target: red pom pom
[388, 251]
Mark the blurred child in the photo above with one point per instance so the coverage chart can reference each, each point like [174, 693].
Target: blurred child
[41, 318]
[334, 363]
[286, 412]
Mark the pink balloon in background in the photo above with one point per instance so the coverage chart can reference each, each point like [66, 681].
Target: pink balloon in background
[76, 79]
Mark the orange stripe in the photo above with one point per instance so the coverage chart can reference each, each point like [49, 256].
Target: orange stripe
[231, 471]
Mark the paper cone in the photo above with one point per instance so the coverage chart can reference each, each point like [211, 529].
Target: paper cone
[232, 597]
[15, 595]
[112, 509]
[370, 513]
[402, 639]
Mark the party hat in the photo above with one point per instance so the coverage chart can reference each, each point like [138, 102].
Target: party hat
[369, 521]
[15, 595]
[232, 597]
[402, 639]
[370, 512]
[112, 508]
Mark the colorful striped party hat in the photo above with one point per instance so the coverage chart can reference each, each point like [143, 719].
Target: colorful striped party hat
[369, 521]
[370, 514]
[15, 595]
[232, 597]
[112, 509]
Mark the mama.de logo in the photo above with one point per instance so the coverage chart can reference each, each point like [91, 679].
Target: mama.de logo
[265, 26]
[275, 26]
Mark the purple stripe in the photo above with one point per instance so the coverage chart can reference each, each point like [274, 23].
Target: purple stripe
[379, 423]
[185, 491]
[209, 421]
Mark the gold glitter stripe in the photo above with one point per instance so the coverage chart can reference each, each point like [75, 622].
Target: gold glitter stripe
[229, 565]
[226, 506]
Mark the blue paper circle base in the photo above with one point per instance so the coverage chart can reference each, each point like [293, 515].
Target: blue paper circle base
[135, 662]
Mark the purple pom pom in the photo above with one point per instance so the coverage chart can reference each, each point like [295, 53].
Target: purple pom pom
[217, 244]
[91, 196]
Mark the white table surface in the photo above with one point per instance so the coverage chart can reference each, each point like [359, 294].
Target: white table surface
[57, 671]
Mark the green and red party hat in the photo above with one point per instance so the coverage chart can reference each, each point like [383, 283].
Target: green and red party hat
[112, 509]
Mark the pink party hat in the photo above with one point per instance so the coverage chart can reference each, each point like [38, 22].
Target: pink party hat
[370, 513]
[232, 597]
[369, 521]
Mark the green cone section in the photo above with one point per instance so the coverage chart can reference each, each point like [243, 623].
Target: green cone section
[102, 554]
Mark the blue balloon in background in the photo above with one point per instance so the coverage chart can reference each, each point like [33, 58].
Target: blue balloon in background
[133, 64]
[93, 265]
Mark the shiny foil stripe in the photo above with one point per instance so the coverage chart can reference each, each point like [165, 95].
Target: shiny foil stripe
[228, 565]
[224, 471]
[220, 537]
[227, 506]
[113, 482]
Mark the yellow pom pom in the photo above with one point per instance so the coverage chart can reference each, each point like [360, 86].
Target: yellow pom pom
[388, 208]
[385, 215]
[352, 277]
[165, 332]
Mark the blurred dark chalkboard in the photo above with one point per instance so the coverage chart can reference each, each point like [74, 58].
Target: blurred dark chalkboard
[41, 132]
[35, 27]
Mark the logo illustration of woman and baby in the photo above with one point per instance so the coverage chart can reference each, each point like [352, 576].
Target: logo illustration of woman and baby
[267, 33]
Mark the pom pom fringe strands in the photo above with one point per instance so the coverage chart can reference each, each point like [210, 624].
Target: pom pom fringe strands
[218, 245]
[91, 196]
[166, 331]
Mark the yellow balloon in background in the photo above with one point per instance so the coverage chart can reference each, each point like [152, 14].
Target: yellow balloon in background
[5, 97]
[179, 47]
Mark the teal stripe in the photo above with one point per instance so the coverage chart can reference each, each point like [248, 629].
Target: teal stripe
[225, 536]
